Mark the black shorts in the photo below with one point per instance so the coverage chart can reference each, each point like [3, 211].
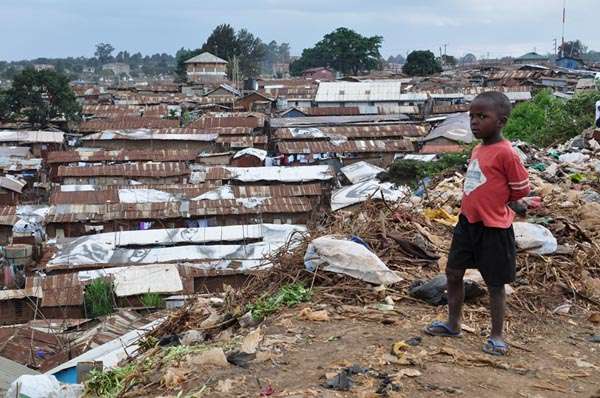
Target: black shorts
[490, 250]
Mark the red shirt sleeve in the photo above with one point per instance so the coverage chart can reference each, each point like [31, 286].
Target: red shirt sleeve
[518, 178]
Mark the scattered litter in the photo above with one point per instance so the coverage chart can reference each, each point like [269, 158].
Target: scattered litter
[414, 341]
[214, 356]
[434, 291]
[173, 377]
[534, 238]
[251, 341]
[338, 255]
[319, 316]
[239, 358]
[573, 157]
[441, 216]
[562, 309]
[192, 337]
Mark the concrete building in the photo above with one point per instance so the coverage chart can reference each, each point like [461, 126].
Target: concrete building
[206, 68]
[118, 68]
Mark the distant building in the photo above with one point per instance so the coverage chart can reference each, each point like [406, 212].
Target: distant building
[531, 58]
[206, 68]
[569, 62]
[39, 67]
[118, 68]
[320, 73]
[89, 69]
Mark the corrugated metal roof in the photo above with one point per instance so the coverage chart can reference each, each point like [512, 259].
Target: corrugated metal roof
[242, 141]
[127, 123]
[165, 169]
[61, 290]
[374, 91]
[331, 111]
[32, 137]
[335, 120]
[102, 196]
[233, 121]
[374, 146]
[10, 371]
[147, 134]
[278, 173]
[354, 132]
[101, 155]
[172, 210]
[8, 215]
[437, 109]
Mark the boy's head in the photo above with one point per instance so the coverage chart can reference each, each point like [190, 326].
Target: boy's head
[489, 112]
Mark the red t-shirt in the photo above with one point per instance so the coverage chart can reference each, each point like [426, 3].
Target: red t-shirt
[495, 177]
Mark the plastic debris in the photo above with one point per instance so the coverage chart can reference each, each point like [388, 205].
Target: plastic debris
[534, 238]
[441, 216]
[343, 256]
[434, 290]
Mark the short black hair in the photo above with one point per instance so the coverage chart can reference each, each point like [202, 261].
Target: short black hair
[500, 102]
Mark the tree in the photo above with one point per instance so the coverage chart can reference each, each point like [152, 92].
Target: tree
[222, 42]
[343, 50]
[398, 59]
[103, 52]
[42, 96]
[573, 48]
[181, 56]
[250, 51]
[421, 63]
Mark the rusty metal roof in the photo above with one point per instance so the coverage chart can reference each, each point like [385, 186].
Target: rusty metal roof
[111, 195]
[158, 170]
[126, 123]
[8, 215]
[85, 197]
[358, 132]
[242, 141]
[234, 121]
[332, 111]
[101, 155]
[307, 147]
[61, 290]
[173, 210]
[450, 108]
[218, 130]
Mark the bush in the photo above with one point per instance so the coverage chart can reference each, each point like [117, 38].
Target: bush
[547, 120]
[288, 295]
[412, 171]
[153, 300]
[98, 298]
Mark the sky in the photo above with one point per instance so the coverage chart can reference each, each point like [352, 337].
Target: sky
[61, 28]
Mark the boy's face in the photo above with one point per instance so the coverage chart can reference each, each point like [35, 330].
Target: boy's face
[485, 120]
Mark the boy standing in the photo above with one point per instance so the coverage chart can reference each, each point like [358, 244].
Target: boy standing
[484, 237]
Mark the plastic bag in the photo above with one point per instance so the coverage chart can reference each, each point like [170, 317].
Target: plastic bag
[534, 238]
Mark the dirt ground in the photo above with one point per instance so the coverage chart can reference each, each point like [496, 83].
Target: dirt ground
[551, 356]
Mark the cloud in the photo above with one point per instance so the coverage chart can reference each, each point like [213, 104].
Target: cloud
[56, 28]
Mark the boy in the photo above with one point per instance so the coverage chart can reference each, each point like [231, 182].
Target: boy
[484, 237]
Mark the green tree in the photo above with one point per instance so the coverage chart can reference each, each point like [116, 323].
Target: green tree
[250, 51]
[103, 52]
[421, 63]
[343, 50]
[547, 120]
[42, 96]
[181, 56]
[222, 42]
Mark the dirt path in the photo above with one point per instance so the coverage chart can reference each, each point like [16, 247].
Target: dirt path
[555, 358]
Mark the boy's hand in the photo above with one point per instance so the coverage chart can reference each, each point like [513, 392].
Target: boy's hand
[520, 206]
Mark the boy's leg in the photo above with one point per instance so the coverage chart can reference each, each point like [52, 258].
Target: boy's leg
[456, 297]
[497, 309]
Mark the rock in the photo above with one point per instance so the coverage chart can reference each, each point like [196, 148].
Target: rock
[213, 319]
[583, 364]
[192, 337]
[251, 341]
[214, 356]
[594, 317]
[247, 320]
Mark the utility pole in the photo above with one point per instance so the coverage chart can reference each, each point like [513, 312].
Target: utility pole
[445, 45]
[440, 51]
[562, 45]
[554, 47]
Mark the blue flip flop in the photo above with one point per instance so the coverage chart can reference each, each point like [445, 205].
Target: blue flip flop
[495, 347]
[440, 329]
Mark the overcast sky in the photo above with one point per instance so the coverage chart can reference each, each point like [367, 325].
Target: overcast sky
[60, 28]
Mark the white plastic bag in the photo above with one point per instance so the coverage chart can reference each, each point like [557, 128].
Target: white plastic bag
[534, 238]
[43, 386]
[343, 256]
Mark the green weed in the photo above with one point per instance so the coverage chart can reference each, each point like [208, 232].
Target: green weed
[98, 298]
[288, 295]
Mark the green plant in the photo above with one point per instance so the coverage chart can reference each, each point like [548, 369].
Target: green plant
[98, 298]
[547, 120]
[108, 383]
[412, 171]
[152, 300]
[288, 295]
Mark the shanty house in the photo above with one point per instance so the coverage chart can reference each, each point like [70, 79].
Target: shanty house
[569, 62]
[531, 58]
[320, 73]
[206, 68]
[377, 97]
